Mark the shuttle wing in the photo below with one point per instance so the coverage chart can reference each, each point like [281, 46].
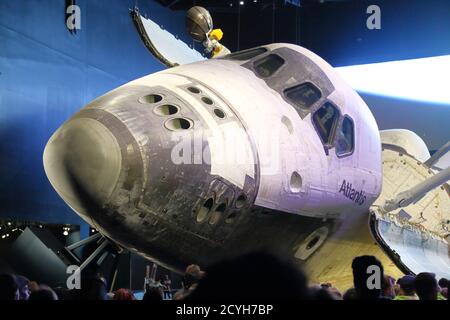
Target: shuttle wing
[163, 45]
[441, 158]
[415, 235]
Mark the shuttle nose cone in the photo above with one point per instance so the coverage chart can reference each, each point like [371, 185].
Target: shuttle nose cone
[83, 162]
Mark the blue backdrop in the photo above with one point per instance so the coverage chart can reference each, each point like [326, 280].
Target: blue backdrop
[47, 74]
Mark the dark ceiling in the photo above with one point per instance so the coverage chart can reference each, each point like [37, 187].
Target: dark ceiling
[335, 29]
[248, 23]
[233, 6]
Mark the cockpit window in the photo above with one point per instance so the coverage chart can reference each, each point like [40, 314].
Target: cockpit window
[346, 138]
[303, 95]
[267, 66]
[246, 54]
[325, 120]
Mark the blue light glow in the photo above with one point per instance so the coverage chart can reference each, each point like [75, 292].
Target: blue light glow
[426, 79]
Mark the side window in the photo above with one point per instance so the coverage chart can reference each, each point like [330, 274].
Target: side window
[246, 54]
[303, 95]
[267, 66]
[346, 138]
[325, 120]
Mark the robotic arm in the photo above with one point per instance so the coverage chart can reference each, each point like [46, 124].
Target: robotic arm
[405, 198]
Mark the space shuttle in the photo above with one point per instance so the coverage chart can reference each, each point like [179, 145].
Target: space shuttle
[266, 148]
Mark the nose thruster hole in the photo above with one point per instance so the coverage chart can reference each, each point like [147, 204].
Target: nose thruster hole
[219, 113]
[194, 90]
[217, 214]
[165, 110]
[240, 201]
[151, 98]
[204, 210]
[177, 124]
[207, 100]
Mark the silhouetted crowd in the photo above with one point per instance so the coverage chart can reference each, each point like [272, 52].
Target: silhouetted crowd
[255, 276]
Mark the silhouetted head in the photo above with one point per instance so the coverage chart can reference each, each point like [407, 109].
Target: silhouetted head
[388, 287]
[24, 290]
[124, 294]
[93, 288]
[443, 283]
[324, 293]
[426, 286]
[350, 294]
[444, 292]
[33, 286]
[9, 289]
[190, 280]
[194, 270]
[153, 294]
[192, 275]
[254, 276]
[335, 293]
[406, 284]
[368, 274]
[44, 293]
[63, 293]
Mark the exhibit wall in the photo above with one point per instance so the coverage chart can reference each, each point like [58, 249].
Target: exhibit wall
[47, 73]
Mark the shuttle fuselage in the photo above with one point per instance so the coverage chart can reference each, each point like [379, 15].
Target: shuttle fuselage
[265, 148]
